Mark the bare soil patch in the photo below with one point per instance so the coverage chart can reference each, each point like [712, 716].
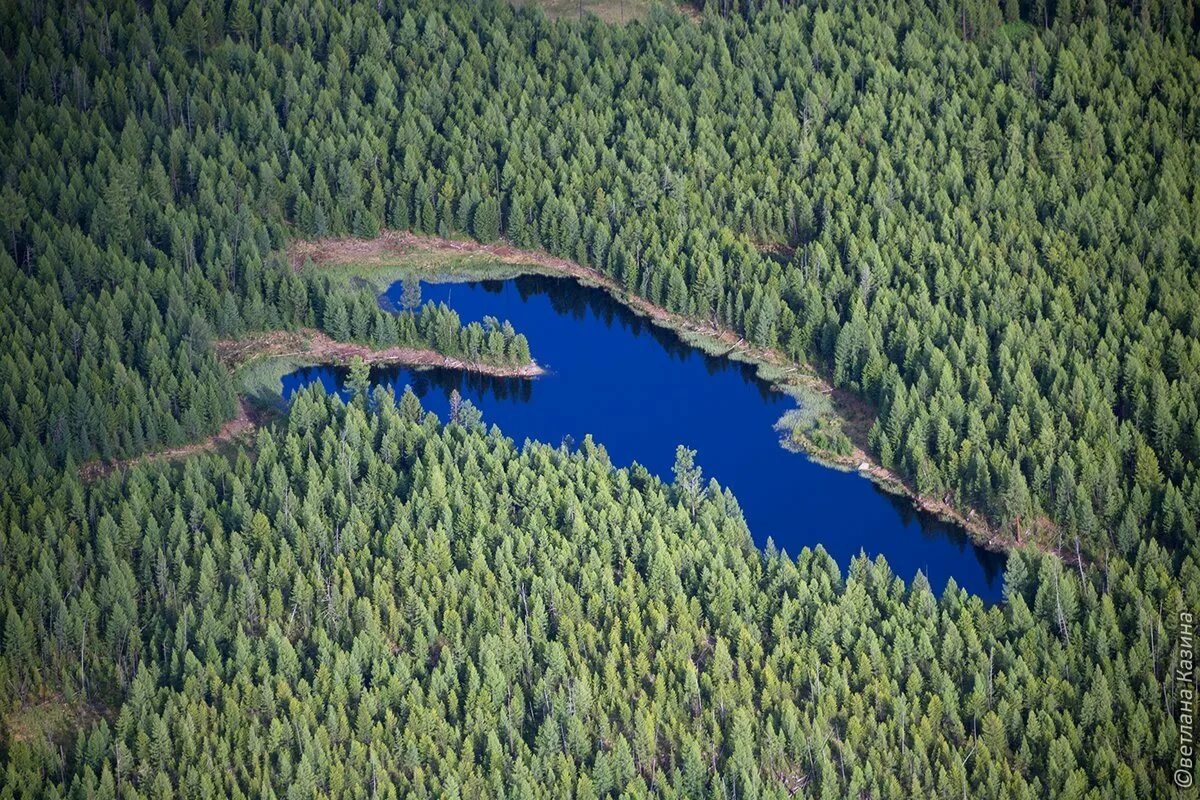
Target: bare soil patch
[309, 345]
[617, 12]
[51, 720]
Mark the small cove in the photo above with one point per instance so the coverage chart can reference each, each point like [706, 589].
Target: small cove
[640, 391]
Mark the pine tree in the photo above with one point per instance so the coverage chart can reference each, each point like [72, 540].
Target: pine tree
[688, 478]
[359, 380]
[336, 320]
[13, 214]
[485, 222]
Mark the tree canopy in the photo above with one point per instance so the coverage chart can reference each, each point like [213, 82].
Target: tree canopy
[379, 605]
[981, 219]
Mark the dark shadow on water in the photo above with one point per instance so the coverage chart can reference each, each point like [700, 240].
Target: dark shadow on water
[936, 530]
[424, 381]
[576, 301]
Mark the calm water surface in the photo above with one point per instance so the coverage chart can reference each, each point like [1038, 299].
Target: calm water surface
[640, 392]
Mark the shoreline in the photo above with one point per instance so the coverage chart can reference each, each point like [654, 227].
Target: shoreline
[855, 414]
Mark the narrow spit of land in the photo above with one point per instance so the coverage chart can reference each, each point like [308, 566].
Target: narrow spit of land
[308, 344]
[393, 248]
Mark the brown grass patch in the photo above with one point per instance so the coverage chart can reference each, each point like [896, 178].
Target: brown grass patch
[50, 721]
[309, 344]
[612, 11]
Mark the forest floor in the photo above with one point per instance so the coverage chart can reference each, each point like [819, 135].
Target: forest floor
[242, 425]
[51, 720]
[404, 249]
[612, 11]
[312, 345]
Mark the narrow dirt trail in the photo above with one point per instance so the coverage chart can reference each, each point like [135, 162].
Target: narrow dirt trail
[307, 344]
[393, 245]
[856, 414]
[242, 424]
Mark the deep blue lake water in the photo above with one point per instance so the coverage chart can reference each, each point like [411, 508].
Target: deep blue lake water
[640, 391]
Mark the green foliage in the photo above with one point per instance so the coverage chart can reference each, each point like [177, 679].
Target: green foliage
[359, 379]
[376, 600]
[485, 222]
[823, 435]
[999, 229]
[988, 232]
[360, 317]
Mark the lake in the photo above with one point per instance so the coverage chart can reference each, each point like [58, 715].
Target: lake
[640, 391]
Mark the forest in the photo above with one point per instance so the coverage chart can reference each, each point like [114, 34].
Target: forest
[979, 217]
[377, 604]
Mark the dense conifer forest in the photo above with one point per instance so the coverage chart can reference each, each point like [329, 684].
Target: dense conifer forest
[981, 218]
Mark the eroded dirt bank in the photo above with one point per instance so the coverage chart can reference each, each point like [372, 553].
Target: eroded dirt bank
[306, 344]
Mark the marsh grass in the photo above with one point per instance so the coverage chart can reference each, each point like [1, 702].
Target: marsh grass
[261, 379]
[813, 427]
[382, 271]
